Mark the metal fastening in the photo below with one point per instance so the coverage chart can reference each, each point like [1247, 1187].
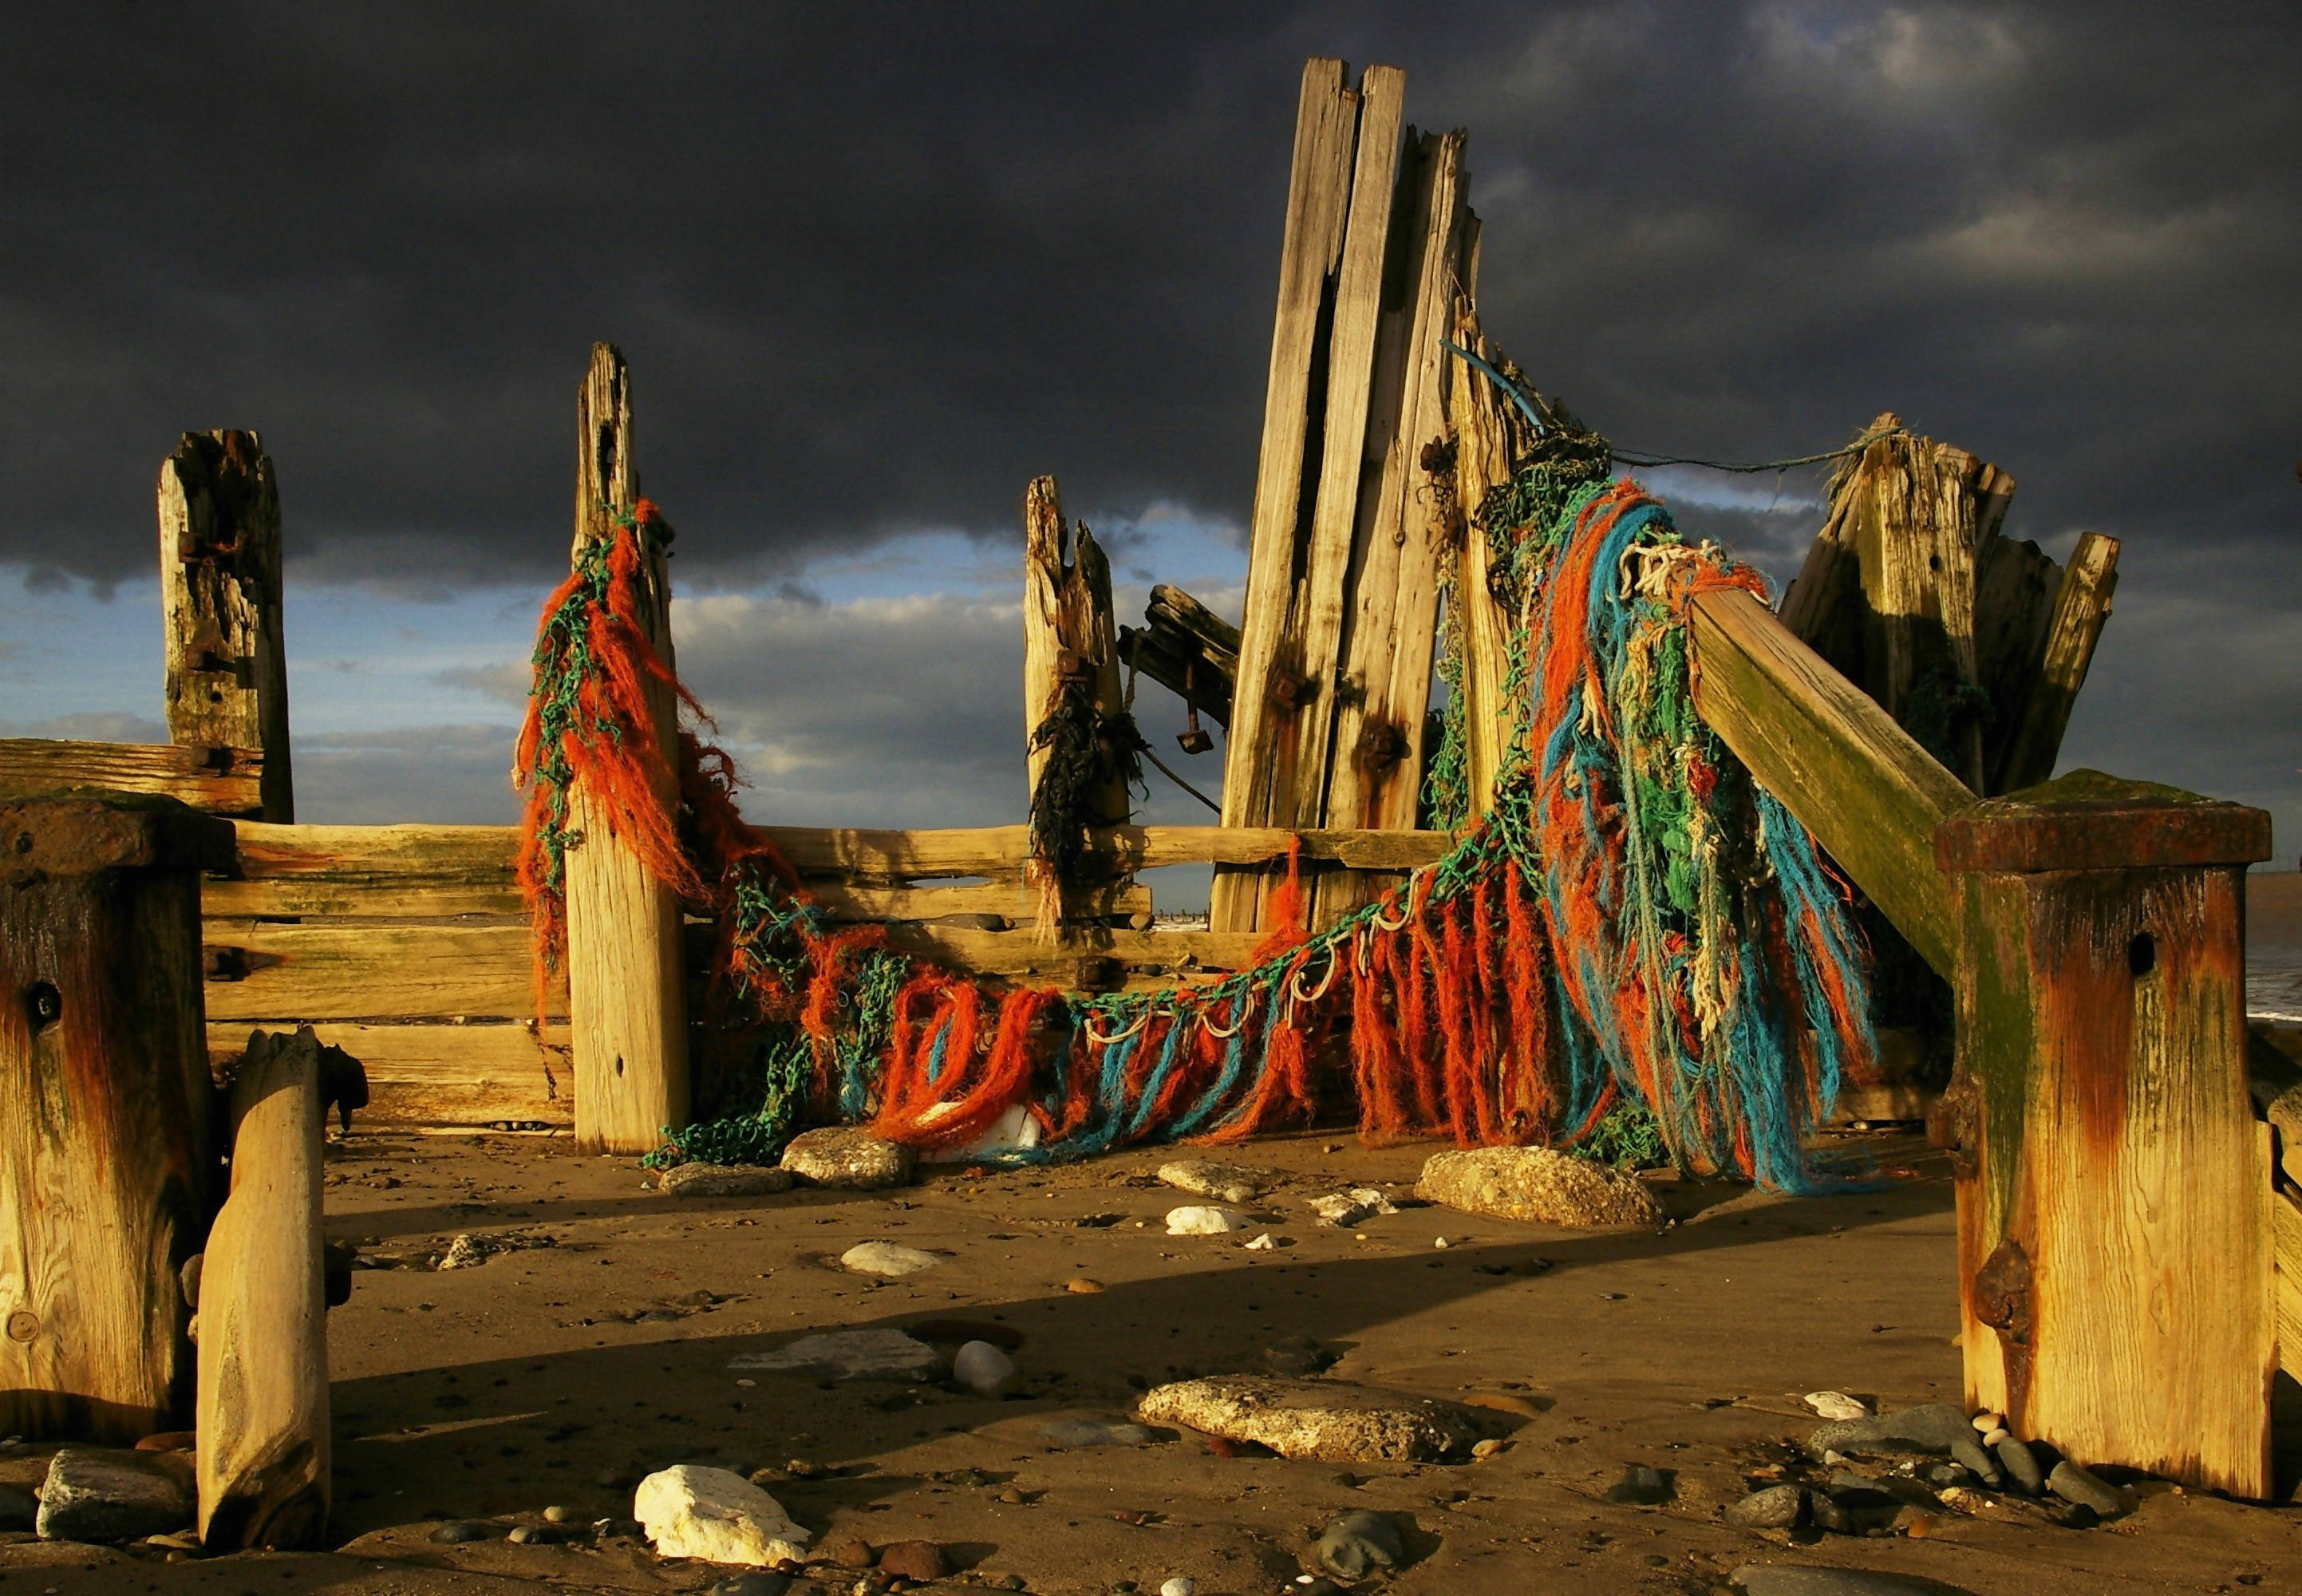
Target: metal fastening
[1194, 737]
[1380, 745]
[1290, 690]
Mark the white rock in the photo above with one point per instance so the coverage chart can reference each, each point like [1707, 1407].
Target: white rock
[1182, 1585]
[690, 1511]
[1988, 1421]
[886, 1258]
[1224, 1182]
[1262, 1244]
[1838, 1404]
[982, 1368]
[1014, 1132]
[1346, 1209]
[1440, 1241]
[1997, 1435]
[1204, 1221]
[850, 1353]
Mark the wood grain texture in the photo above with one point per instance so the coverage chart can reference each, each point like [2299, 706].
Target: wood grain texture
[385, 970]
[1066, 607]
[1375, 778]
[484, 1073]
[2286, 1241]
[2116, 1261]
[1287, 470]
[225, 658]
[2081, 608]
[106, 1166]
[866, 855]
[1153, 959]
[1871, 796]
[627, 1003]
[264, 1446]
[1488, 432]
[402, 871]
[217, 781]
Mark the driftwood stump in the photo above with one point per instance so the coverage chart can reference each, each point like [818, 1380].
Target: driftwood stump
[106, 1167]
[264, 1442]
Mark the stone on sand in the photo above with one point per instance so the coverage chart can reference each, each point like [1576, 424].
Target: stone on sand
[1070, 1433]
[724, 1180]
[1317, 1418]
[888, 1258]
[2074, 1482]
[1759, 1579]
[1774, 1508]
[1358, 1543]
[1224, 1182]
[1204, 1221]
[99, 1493]
[690, 1511]
[1346, 1208]
[839, 1156]
[850, 1354]
[982, 1368]
[1837, 1406]
[1538, 1185]
[1934, 1428]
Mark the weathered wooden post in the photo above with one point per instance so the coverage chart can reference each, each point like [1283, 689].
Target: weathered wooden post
[264, 1447]
[106, 1167]
[626, 989]
[226, 683]
[2115, 1245]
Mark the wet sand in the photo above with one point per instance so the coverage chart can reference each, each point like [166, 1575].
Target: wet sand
[557, 1375]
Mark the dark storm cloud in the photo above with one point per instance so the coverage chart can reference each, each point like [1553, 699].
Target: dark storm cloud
[875, 265]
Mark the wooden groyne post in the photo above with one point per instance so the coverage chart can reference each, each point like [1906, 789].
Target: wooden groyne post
[2114, 1205]
[226, 672]
[626, 989]
[106, 1169]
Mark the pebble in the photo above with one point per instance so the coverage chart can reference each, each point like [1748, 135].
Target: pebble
[839, 1156]
[1489, 1447]
[848, 1551]
[1298, 1356]
[1182, 1585]
[1086, 1432]
[2021, 1467]
[983, 1369]
[1937, 1427]
[1994, 1437]
[524, 1534]
[1440, 1241]
[555, 1514]
[1641, 1486]
[886, 1258]
[1838, 1404]
[457, 1532]
[102, 1493]
[1012, 1497]
[724, 1180]
[1967, 1452]
[760, 1583]
[1224, 1182]
[1775, 1507]
[1786, 1579]
[1262, 1244]
[2080, 1486]
[1195, 1220]
[1083, 1286]
[1355, 1543]
[921, 1560]
[1347, 1207]
[1988, 1421]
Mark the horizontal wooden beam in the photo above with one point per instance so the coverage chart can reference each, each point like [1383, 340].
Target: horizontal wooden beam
[262, 969]
[1871, 796]
[996, 851]
[1147, 959]
[410, 871]
[442, 1074]
[218, 781]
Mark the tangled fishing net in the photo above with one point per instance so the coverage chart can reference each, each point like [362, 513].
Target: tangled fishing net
[1633, 920]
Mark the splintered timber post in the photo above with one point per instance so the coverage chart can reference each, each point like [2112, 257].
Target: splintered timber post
[105, 1101]
[2113, 1213]
[626, 1000]
[226, 682]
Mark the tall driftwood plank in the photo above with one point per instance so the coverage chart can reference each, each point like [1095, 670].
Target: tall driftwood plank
[1287, 473]
[1870, 795]
[226, 665]
[1488, 434]
[2081, 606]
[217, 781]
[1066, 615]
[2114, 1227]
[106, 1169]
[1376, 769]
[627, 997]
[263, 1450]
